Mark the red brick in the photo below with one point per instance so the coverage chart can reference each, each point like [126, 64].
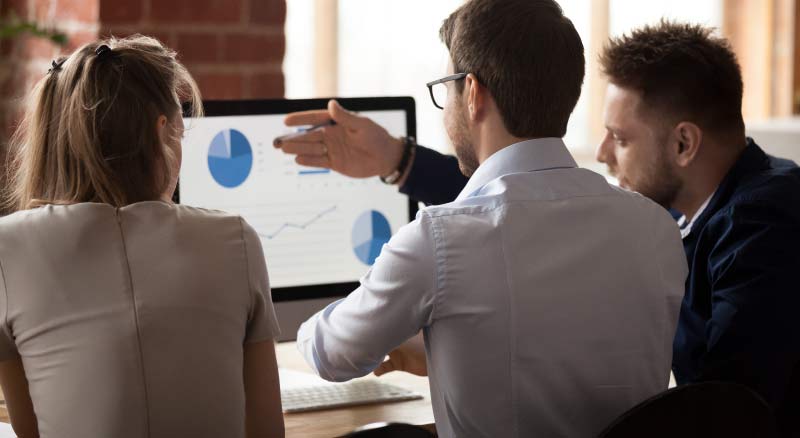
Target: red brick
[165, 38]
[267, 12]
[30, 47]
[87, 11]
[266, 86]
[52, 11]
[198, 47]
[16, 7]
[196, 11]
[121, 11]
[220, 85]
[252, 48]
[19, 81]
[7, 76]
[76, 40]
[6, 47]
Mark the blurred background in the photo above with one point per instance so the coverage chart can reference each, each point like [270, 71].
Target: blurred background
[319, 48]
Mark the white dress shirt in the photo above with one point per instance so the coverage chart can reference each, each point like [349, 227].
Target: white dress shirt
[686, 226]
[548, 300]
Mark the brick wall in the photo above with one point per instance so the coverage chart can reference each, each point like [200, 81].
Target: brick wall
[233, 48]
[25, 59]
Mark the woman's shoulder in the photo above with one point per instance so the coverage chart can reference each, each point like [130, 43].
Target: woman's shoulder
[184, 215]
[55, 213]
[148, 211]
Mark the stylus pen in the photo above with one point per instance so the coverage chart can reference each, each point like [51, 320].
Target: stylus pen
[302, 131]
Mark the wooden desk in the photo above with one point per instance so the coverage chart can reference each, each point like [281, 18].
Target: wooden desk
[335, 422]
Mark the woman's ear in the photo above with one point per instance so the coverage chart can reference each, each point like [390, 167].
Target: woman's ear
[161, 128]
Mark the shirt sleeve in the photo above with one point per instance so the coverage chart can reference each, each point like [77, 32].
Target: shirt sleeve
[261, 322]
[752, 335]
[434, 178]
[395, 300]
[8, 348]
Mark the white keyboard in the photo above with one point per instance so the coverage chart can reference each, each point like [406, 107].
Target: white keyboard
[334, 395]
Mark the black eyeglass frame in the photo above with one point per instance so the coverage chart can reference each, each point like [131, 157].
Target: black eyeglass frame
[454, 77]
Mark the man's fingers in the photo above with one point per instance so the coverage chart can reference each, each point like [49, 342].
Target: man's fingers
[342, 116]
[304, 148]
[313, 117]
[313, 161]
[309, 137]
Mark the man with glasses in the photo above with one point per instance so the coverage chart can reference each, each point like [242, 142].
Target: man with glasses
[547, 298]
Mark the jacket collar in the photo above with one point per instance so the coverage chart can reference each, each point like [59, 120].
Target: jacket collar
[751, 160]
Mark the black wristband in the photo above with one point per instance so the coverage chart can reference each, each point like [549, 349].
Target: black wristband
[409, 143]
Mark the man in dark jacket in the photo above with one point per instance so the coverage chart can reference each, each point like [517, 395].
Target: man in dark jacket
[675, 134]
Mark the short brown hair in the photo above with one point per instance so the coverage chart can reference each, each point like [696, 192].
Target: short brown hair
[682, 71]
[527, 54]
[89, 132]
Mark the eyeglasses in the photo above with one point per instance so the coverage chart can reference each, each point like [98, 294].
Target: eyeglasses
[438, 88]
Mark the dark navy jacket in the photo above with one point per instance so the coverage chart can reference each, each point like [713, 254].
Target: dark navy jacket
[740, 317]
[434, 178]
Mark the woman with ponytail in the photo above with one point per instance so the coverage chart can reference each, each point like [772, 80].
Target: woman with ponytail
[121, 313]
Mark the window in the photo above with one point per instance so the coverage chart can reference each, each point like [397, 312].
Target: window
[393, 48]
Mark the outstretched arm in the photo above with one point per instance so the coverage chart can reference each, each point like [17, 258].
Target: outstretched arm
[358, 147]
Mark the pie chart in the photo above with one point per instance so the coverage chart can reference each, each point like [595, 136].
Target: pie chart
[230, 158]
[370, 231]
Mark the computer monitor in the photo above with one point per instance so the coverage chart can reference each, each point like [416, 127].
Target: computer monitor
[321, 231]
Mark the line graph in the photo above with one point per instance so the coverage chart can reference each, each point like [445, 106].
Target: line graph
[302, 226]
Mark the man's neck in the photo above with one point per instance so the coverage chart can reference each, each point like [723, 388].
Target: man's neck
[692, 204]
[492, 144]
[705, 178]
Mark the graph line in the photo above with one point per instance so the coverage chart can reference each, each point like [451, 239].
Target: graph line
[302, 226]
[314, 171]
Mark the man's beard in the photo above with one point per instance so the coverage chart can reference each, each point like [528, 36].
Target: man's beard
[465, 150]
[661, 184]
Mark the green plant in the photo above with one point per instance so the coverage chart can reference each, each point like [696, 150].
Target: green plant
[13, 26]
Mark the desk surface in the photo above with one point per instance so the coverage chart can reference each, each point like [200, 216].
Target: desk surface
[335, 422]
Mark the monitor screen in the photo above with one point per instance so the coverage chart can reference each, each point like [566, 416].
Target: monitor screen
[317, 227]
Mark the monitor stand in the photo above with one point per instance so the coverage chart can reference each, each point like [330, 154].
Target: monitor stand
[293, 313]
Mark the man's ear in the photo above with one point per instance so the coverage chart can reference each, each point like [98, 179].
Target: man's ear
[476, 97]
[688, 138]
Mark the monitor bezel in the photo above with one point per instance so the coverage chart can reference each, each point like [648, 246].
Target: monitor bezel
[223, 108]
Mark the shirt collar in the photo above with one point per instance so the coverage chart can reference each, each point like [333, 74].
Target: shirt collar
[685, 227]
[525, 156]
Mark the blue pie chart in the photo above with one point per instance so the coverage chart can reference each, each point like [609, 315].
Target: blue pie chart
[230, 158]
[370, 232]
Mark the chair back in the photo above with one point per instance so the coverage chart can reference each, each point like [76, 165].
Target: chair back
[390, 430]
[709, 409]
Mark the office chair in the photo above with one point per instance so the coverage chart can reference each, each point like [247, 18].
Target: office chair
[389, 430]
[700, 410]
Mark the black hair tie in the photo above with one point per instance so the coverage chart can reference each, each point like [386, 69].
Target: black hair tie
[103, 51]
[56, 65]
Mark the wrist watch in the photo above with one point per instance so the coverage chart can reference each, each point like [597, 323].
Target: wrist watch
[409, 143]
